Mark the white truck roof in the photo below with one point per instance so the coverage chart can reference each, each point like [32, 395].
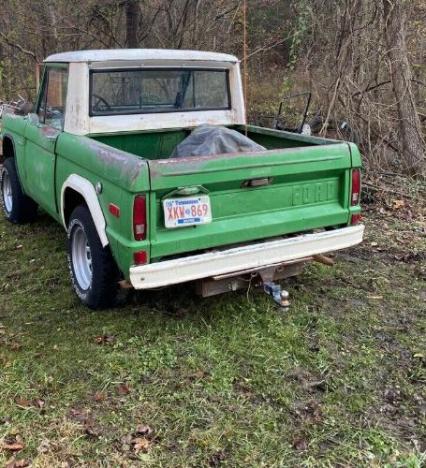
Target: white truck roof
[138, 55]
[78, 120]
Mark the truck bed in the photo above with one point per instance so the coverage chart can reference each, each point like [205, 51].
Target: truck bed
[160, 144]
[304, 185]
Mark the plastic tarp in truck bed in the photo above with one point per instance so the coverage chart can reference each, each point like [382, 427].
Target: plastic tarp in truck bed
[208, 140]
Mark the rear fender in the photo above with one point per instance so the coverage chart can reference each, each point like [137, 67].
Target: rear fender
[86, 189]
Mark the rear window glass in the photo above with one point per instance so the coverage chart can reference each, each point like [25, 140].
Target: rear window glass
[147, 91]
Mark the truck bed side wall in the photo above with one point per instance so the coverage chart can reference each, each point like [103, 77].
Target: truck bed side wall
[121, 176]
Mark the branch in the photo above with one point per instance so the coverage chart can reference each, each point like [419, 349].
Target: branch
[267, 47]
[18, 46]
[370, 88]
[421, 83]
[330, 107]
[152, 23]
[226, 12]
[95, 37]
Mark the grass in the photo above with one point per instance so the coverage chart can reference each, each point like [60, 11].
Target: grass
[339, 380]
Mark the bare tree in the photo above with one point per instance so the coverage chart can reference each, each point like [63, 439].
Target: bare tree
[412, 141]
[132, 22]
[354, 55]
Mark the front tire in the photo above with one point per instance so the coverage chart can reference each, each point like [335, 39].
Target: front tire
[94, 274]
[17, 207]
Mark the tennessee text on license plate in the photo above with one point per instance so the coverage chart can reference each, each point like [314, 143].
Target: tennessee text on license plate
[187, 211]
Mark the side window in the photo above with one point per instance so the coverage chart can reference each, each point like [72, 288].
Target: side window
[51, 109]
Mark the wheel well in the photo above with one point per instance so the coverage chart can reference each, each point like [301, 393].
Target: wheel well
[8, 149]
[72, 199]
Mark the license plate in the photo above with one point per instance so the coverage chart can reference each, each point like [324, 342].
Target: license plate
[187, 211]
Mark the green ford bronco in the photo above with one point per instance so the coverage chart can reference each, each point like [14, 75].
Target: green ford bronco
[145, 157]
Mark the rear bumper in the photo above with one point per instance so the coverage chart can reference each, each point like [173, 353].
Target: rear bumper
[243, 258]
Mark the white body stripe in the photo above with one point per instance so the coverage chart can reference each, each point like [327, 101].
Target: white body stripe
[87, 191]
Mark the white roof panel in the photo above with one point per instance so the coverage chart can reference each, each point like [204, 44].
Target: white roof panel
[138, 54]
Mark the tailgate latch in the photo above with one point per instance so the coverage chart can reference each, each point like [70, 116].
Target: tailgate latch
[184, 191]
[261, 182]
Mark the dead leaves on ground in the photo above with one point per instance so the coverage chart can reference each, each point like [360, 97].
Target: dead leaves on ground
[23, 403]
[99, 396]
[80, 415]
[13, 443]
[123, 389]
[44, 446]
[309, 412]
[140, 441]
[105, 339]
[396, 197]
[86, 419]
[144, 430]
[17, 463]
[9, 339]
[310, 382]
[398, 224]
[300, 443]
[140, 444]
[398, 204]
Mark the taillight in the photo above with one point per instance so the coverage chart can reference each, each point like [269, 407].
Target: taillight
[140, 257]
[356, 187]
[139, 218]
[356, 219]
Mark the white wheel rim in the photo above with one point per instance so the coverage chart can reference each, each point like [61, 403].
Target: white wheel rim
[7, 191]
[81, 258]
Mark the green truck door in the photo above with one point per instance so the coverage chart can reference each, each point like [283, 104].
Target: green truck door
[41, 135]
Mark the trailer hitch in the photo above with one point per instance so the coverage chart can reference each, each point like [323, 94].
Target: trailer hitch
[279, 295]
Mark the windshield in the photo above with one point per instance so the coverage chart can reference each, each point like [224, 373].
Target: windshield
[147, 90]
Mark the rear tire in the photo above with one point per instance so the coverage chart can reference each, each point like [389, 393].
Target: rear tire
[17, 207]
[93, 271]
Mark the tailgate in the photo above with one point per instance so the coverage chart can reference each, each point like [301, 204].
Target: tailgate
[306, 188]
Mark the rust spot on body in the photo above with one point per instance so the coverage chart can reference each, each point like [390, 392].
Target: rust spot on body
[49, 132]
[128, 165]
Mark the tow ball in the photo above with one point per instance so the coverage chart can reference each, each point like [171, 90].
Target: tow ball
[279, 295]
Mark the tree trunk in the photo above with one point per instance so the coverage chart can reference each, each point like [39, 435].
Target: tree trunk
[132, 22]
[410, 131]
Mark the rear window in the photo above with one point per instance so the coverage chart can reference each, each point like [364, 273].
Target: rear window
[142, 91]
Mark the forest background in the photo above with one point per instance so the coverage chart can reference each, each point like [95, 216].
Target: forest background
[363, 60]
